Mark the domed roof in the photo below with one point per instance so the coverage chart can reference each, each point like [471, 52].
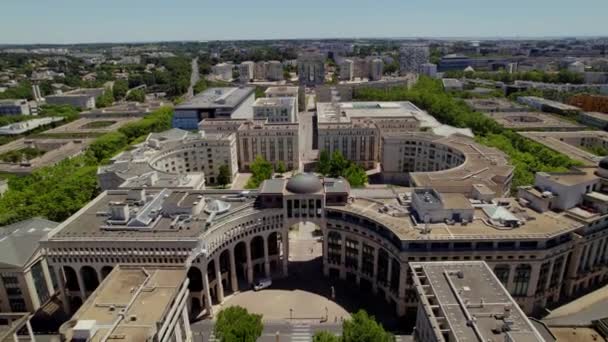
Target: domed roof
[304, 183]
[604, 163]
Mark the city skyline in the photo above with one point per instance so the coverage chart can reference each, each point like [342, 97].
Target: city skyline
[69, 22]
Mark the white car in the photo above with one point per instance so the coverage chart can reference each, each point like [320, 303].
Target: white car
[262, 284]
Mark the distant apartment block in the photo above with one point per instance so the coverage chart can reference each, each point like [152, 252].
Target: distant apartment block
[376, 69]
[222, 71]
[21, 127]
[275, 110]
[549, 106]
[287, 91]
[80, 98]
[274, 71]
[428, 69]
[347, 70]
[246, 71]
[215, 103]
[311, 68]
[14, 107]
[411, 58]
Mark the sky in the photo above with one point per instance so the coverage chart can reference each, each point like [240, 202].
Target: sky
[86, 21]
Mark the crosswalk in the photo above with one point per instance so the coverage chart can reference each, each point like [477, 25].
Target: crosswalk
[301, 333]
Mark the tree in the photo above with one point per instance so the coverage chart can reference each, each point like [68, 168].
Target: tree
[325, 336]
[323, 166]
[355, 175]
[236, 324]
[104, 100]
[280, 167]
[363, 328]
[120, 89]
[138, 95]
[261, 170]
[224, 177]
[338, 164]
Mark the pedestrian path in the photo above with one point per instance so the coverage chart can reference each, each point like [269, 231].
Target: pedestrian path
[301, 333]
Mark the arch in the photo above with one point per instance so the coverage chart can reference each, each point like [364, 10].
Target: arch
[105, 271]
[521, 280]
[240, 259]
[257, 247]
[195, 307]
[211, 270]
[195, 276]
[502, 272]
[71, 279]
[273, 243]
[89, 278]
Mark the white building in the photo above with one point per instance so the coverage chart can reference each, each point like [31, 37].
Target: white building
[246, 71]
[275, 110]
[80, 98]
[14, 107]
[347, 70]
[411, 58]
[376, 69]
[274, 71]
[222, 71]
[285, 91]
[429, 69]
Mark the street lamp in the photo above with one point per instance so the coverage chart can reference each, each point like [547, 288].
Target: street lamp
[290, 313]
[333, 293]
[326, 314]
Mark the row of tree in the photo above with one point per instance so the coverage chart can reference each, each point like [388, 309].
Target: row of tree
[58, 191]
[261, 170]
[526, 155]
[562, 76]
[335, 165]
[236, 324]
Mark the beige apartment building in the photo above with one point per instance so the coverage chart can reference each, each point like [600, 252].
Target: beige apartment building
[273, 141]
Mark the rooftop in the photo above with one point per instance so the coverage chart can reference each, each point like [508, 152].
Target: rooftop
[568, 143]
[533, 121]
[131, 303]
[274, 102]
[471, 303]
[494, 104]
[227, 97]
[547, 102]
[19, 241]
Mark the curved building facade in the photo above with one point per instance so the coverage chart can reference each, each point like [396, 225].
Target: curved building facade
[227, 239]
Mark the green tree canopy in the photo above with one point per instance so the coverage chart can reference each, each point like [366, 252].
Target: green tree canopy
[138, 95]
[338, 166]
[120, 89]
[261, 170]
[236, 324]
[325, 336]
[224, 177]
[363, 328]
[104, 100]
[280, 167]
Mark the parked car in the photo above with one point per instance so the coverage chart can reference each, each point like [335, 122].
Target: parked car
[262, 284]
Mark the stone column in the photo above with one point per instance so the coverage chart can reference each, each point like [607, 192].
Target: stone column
[186, 322]
[177, 332]
[561, 280]
[61, 280]
[285, 241]
[510, 278]
[375, 274]
[207, 293]
[218, 280]
[249, 265]
[47, 276]
[359, 262]
[233, 277]
[549, 274]
[592, 254]
[401, 290]
[388, 277]
[533, 279]
[266, 259]
[81, 285]
[325, 252]
[343, 257]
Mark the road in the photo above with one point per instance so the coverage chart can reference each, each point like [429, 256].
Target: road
[297, 331]
[194, 77]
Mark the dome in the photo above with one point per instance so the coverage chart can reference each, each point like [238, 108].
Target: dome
[304, 183]
[604, 163]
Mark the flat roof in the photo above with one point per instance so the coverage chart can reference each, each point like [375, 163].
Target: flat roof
[548, 102]
[494, 104]
[19, 241]
[225, 97]
[274, 101]
[141, 292]
[533, 121]
[558, 141]
[471, 302]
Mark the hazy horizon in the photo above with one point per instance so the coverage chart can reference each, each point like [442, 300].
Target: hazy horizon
[25, 22]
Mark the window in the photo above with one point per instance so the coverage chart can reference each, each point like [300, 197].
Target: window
[521, 280]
